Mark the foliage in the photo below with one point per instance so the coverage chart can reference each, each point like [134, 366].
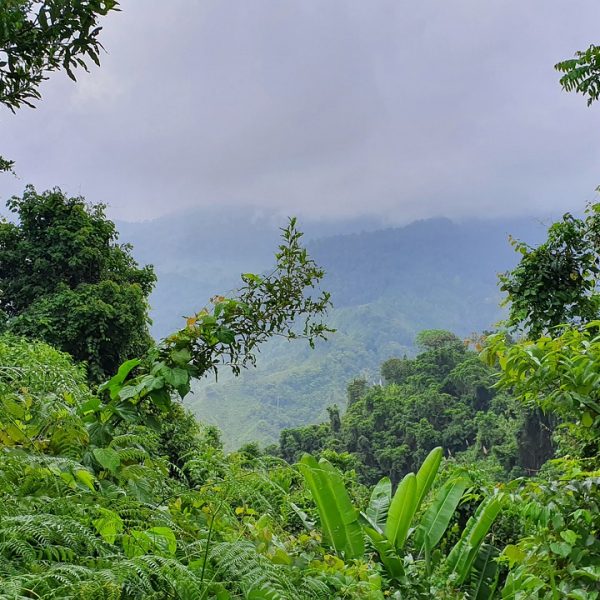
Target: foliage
[559, 375]
[37, 38]
[227, 336]
[559, 553]
[382, 290]
[582, 73]
[556, 282]
[66, 280]
[444, 396]
[396, 515]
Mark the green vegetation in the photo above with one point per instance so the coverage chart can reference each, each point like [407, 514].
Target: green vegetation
[119, 493]
[466, 474]
[445, 396]
[384, 293]
[65, 280]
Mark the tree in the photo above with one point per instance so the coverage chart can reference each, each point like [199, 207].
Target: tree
[556, 283]
[355, 390]
[396, 370]
[37, 38]
[65, 279]
[431, 339]
[582, 73]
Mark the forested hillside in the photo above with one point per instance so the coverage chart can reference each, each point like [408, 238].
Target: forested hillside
[386, 286]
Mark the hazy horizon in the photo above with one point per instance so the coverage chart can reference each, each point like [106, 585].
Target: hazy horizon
[324, 110]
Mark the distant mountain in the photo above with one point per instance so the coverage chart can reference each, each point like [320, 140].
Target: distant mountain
[200, 253]
[386, 285]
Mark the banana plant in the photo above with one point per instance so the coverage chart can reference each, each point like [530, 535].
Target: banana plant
[436, 518]
[388, 520]
[463, 555]
[339, 518]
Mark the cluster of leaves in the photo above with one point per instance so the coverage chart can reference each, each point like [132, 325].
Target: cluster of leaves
[559, 552]
[556, 282]
[582, 73]
[86, 515]
[83, 518]
[37, 38]
[64, 279]
[408, 554]
[445, 396]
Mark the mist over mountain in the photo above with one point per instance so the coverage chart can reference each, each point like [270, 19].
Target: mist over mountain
[387, 284]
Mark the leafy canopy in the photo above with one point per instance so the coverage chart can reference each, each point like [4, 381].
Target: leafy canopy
[582, 73]
[556, 283]
[65, 279]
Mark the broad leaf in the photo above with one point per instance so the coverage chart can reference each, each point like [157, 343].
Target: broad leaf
[387, 553]
[437, 517]
[379, 504]
[339, 518]
[462, 556]
[402, 510]
[108, 458]
[484, 574]
[427, 474]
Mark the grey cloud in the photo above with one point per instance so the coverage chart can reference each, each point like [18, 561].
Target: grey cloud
[324, 108]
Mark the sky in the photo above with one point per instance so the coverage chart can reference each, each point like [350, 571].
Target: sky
[321, 108]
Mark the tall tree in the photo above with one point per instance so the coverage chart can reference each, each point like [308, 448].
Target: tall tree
[65, 279]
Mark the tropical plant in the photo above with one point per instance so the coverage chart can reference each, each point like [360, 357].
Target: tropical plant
[388, 521]
[582, 73]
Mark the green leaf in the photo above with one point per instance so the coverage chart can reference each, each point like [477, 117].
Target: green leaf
[181, 357]
[108, 458]
[427, 474]
[109, 525]
[163, 540]
[379, 504]
[339, 518]
[484, 575]
[569, 536]
[114, 384]
[461, 557]
[587, 420]
[561, 548]
[224, 335]
[514, 554]
[86, 478]
[437, 517]
[387, 553]
[402, 510]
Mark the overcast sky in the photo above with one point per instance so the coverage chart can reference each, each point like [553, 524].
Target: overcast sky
[323, 108]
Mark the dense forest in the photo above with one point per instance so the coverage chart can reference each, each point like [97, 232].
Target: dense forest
[470, 470]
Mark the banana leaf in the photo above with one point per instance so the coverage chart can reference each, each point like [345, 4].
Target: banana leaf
[427, 473]
[461, 557]
[339, 518]
[401, 512]
[387, 553]
[484, 574]
[436, 518]
[379, 504]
